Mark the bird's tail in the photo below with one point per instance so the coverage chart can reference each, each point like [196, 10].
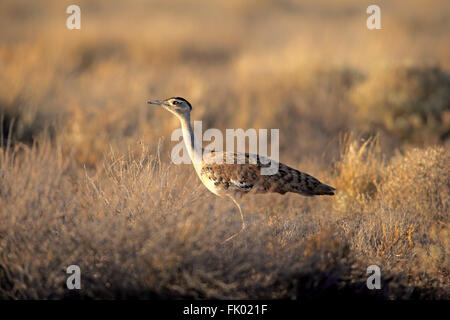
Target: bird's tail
[323, 189]
[292, 180]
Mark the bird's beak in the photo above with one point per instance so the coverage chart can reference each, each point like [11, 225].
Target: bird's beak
[158, 102]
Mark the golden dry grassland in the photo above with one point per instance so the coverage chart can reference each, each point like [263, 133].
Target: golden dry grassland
[85, 170]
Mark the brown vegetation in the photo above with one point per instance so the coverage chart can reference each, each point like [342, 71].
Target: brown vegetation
[86, 179]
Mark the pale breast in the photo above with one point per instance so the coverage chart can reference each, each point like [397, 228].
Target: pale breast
[211, 184]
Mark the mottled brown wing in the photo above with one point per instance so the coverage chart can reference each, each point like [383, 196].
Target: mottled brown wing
[247, 177]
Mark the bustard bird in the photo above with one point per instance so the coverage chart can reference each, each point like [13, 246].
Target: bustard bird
[235, 180]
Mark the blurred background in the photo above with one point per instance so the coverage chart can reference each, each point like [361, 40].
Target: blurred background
[310, 68]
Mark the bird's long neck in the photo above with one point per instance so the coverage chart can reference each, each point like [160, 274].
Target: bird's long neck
[193, 146]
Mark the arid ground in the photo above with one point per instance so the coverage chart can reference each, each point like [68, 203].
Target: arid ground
[85, 170]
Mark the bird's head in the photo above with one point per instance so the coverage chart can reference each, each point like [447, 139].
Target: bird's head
[177, 105]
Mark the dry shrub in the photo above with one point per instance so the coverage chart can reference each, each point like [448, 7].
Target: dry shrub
[416, 191]
[398, 211]
[26, 82]
[420, 174]
[433, 256]
[412, 102]
[419, 180]
[35, 197]
[140, 228]
[136, 228]
[358, 172]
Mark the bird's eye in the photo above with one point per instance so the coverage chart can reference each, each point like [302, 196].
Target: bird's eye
[175, 102]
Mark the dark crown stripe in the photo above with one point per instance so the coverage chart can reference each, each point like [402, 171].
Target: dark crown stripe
[183, 99]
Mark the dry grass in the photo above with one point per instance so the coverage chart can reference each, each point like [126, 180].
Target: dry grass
[358, 173]
[85, 178]
[412, 102]
[135, 231]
